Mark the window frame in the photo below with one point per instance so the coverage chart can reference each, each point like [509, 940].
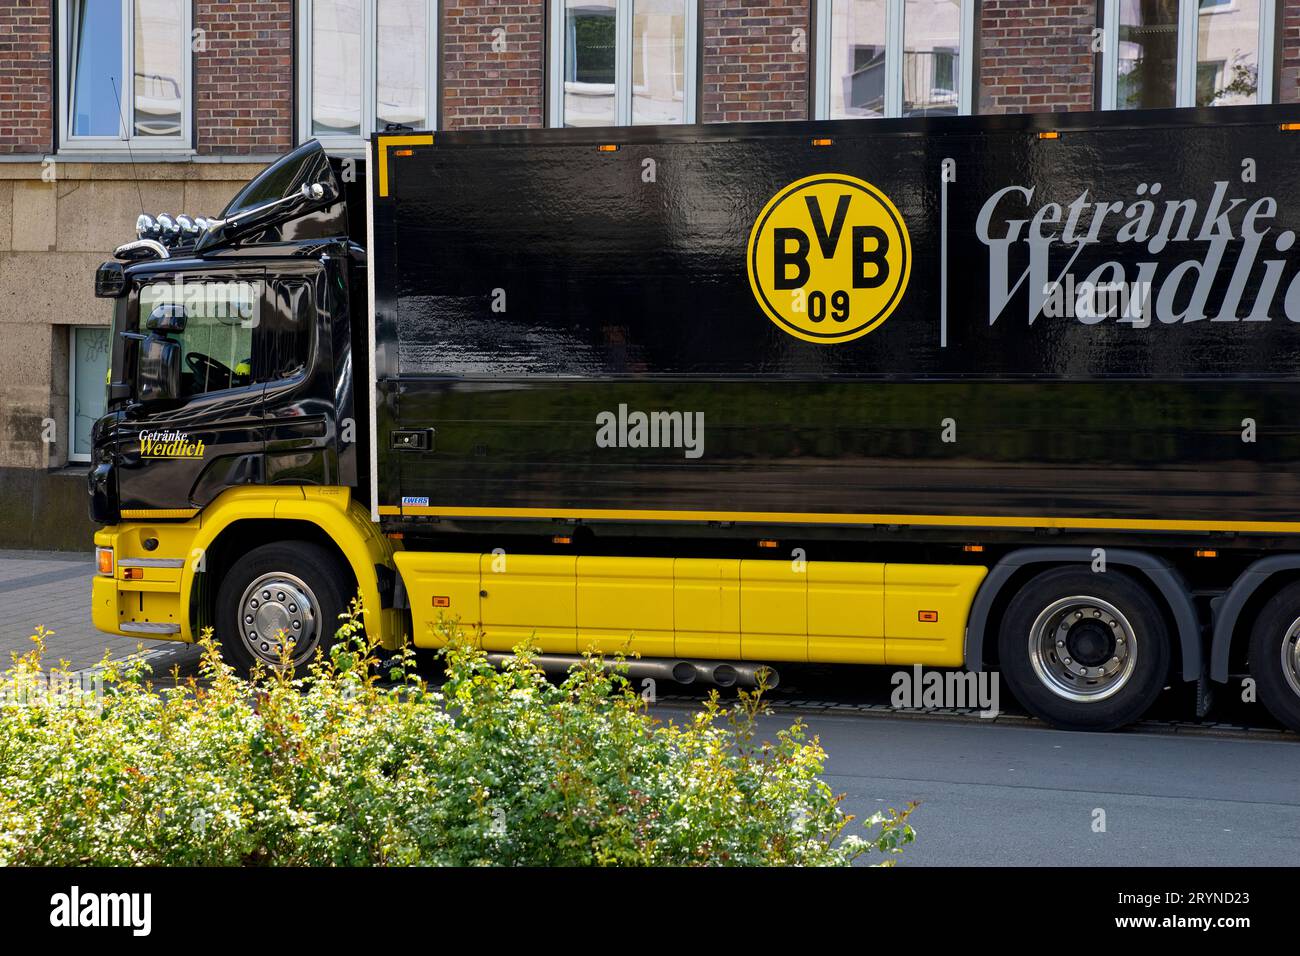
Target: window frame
[73, 456]
[1185, 75]
[624, 80]
[69, 143]
[964, 73]
[348, 144]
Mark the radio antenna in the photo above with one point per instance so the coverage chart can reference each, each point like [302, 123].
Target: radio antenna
[126, 138]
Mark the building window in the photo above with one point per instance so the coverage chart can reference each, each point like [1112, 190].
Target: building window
[894, 58]
[125, 80]
[622, 62]
[1159, 54]
[363, 64]
[87, 385]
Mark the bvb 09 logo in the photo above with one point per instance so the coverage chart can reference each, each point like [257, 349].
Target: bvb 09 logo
[829, 258]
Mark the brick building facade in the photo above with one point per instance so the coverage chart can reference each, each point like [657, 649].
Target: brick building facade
[249, 87]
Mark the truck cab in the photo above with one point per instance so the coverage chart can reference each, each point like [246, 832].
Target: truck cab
[232, 380]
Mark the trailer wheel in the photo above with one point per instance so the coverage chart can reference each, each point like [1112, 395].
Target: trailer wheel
[1275, 656]
[1084, 651]
[291, 590]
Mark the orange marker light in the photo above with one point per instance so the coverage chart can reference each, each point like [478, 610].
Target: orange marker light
[403, 152]
[608, 148]
[1049, 134]
[973, 547]
[561, 539]
[104, 560]
[769, 543]
[823, 141]
[927, 617]
[1289, 127]
[1207, 554]
[133, 574]
[440, 600]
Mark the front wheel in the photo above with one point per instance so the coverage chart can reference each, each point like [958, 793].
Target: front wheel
[1275, 656]
[289, 592]
[1084, 650]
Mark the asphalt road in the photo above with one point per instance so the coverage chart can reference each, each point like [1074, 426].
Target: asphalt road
[992, 792]
[1005, 795]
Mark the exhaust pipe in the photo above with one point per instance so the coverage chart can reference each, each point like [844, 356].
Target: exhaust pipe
[717, 673]
[751, 674]
[731, 673]
[683, 672]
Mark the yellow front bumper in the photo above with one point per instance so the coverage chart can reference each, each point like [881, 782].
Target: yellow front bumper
[148, 604]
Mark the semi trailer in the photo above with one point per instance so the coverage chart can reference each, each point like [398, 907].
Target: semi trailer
[1011, 393]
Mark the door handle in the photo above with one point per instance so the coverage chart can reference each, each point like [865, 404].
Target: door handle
[411, 439]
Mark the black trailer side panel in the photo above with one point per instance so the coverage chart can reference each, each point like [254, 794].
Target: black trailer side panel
[533, 289]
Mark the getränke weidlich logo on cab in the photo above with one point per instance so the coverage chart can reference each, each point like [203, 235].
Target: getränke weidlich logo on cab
[169, 445]
[1148, 218]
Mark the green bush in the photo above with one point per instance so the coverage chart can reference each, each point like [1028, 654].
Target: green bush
[339, 767]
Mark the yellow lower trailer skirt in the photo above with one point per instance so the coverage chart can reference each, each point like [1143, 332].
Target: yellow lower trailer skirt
[824, 612]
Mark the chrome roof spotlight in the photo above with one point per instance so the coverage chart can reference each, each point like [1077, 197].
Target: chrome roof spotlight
[146, 227]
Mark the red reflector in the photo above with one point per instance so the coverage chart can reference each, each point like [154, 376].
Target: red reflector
[928, 617]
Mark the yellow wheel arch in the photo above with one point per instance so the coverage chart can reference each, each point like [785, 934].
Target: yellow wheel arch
[331, 510]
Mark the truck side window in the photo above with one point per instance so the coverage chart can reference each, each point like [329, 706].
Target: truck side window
[217, 344]
[283, 336]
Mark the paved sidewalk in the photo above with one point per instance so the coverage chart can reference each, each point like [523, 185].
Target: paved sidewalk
[53, 588]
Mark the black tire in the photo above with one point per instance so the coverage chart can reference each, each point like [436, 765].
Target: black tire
[1275, 631]
[1114, 628]
[303, 570]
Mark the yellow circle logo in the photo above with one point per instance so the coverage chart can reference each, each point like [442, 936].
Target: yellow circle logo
[829, 258]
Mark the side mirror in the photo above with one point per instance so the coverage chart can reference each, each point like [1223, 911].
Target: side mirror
[159, 370]
[167, 319]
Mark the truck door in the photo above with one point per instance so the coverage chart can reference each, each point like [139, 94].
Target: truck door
[177, 453]
[305, 372]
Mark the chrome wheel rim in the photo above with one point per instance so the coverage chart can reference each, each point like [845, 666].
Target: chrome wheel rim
[1083, 649]
[1291, 656]
[279, 607]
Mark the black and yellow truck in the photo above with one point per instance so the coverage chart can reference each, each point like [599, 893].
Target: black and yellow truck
[1009, 393]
